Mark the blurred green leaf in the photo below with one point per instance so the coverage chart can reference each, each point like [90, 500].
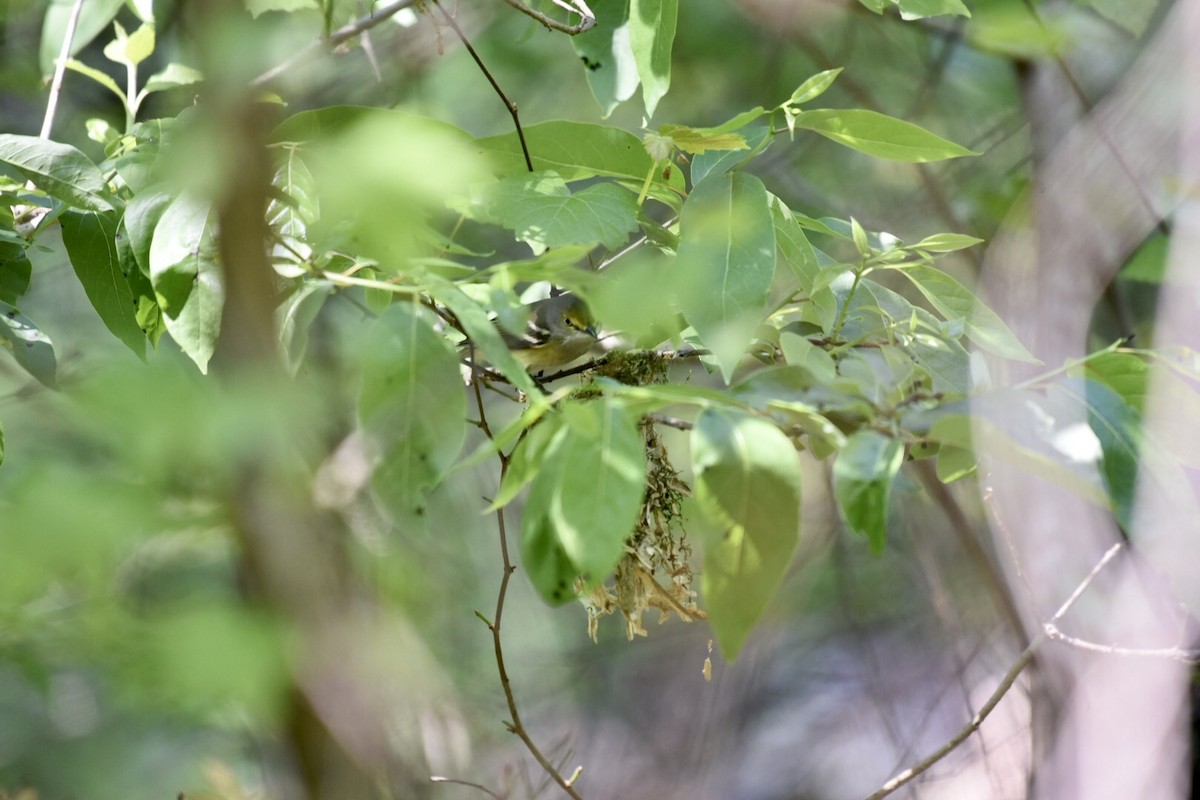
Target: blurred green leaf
[920, 9]
[59, 170]
[90, 239]
[412, 406]
[945, 242]
[1148, 263]
[187, 278]
[542, 211]
[1132, 15]
[583, 503]
[1118, 427]
[748, 479]
[651, 34]
[295, 317]
[29, 346]
[131, 49]
[879, 135]
[257, 7]
[172, 76]
[862, 482]
[727, 255]
[99, 76]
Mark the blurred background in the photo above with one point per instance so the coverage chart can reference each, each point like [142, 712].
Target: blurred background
[130, 665]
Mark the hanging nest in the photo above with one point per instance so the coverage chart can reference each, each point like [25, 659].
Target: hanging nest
[655, 571]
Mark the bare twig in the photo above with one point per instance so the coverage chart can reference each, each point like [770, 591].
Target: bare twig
[515, 725]
[60, 67]
[342, 34]
[588, 19]
[480, 787]
[1006, 683]
[509, 104]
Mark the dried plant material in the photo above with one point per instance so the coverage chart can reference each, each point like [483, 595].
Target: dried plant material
[655, 572]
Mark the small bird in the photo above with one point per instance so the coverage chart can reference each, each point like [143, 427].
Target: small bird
[560, 330]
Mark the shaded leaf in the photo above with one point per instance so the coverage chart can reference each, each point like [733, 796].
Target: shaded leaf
[542, 211]
[29, 346]
[94, 17]
[953, 300]
[727, 254]
[609, 62]
[412, 406]
[862, 482]
[15, 271]
[920, 9]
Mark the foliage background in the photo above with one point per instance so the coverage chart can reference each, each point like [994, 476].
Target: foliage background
[132, 667]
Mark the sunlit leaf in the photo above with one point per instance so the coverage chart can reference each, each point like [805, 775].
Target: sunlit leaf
[920, 9]
[879, 135]
[814, 87]
[651, 33]
[609, 62]
[748, 479]
[59, 170]
[542, 211]
[94, 17]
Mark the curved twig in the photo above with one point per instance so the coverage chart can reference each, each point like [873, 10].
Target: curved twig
[577, 6]
[509, 104]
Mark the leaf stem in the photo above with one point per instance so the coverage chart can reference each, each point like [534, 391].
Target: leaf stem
[841, 317]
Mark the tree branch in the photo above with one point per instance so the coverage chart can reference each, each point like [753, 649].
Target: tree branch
[514, 726]
[342, 34]
[1006, 683]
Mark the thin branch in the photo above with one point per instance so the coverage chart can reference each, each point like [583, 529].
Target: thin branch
[494, 625]
[1190, 657]
[509, 104]
[342, 34]
[670, 422]
[587, 22]
[635, 244]
[480, 787]
[1006, 683]
[60, 68]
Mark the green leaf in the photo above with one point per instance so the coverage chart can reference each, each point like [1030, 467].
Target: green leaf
[484, 334]
[15, 271]
[295, 316]
[945, 242]
[798, 254]
[90, 239]
[94, 17]
[920, 9]
[257, 7]
[412, 407]
[1125, 373]
[1016, 31]
[584, 501]
[131, 49]
[877, 6]
[59, 170]
[699, 140]
[541, 210]
[1148, 263]
[102, 78]
[1118, 427]
[172, 76]
[862, 482]
[717, 162]
[813, 87]
[727, 261]
[141, 218]
[879, 135]
[651, 33]
[748, 479]
[147, 314]
[187, 277]
[953, 300]
[608, 59]
[576, 151]
[138, 162]
[29, 346]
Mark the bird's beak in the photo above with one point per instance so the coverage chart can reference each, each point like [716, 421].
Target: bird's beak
[591, 331]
